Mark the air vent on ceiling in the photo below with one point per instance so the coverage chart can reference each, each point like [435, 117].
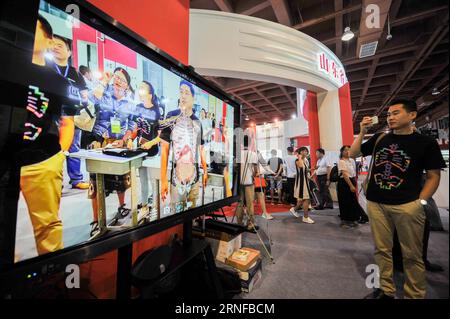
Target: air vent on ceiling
[368, 49]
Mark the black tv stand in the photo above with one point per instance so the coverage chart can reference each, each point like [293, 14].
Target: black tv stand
[181, 256]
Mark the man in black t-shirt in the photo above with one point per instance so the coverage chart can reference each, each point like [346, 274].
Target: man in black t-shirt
[61, 52]
[395, 198]
[41, 97]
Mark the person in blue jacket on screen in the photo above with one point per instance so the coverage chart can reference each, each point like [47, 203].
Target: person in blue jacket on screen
[112, 99]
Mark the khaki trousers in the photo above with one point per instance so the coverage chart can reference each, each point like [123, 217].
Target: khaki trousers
[247, 193]
[41, 186]
[409, 221]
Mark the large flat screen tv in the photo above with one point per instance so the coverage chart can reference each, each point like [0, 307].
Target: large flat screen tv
[99, 134]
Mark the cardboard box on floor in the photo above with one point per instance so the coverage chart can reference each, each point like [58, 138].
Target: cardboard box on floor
[243, 264]
[222, 249]
[254, 278]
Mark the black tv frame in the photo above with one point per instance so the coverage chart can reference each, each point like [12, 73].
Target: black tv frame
[16, 273]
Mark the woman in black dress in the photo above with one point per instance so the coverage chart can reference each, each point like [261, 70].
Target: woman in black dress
[351, 212]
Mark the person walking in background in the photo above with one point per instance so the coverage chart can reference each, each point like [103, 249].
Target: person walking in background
[322, 171]
[302, 190]
[350, 211]
[275, 179]
[249, 170]
[291, 172]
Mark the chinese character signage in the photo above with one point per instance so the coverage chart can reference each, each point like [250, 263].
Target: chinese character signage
[327, 65]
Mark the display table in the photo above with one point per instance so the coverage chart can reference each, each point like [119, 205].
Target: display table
[101, 164]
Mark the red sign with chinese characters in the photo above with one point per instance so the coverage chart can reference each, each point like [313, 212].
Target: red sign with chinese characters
[329, 66]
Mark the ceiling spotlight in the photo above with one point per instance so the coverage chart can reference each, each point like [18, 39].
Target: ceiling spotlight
[294, 116]
[389, 35]
[348, 34]
[276, 120]
[247, 118]
[435, 92]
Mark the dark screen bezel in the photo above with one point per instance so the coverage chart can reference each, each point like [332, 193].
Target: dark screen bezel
[79, 253]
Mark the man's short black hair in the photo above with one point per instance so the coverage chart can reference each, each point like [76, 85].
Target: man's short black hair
[46, 27]
[321, 151]
[84, 69]
[65, 40]
[408, 105]
[290, 149]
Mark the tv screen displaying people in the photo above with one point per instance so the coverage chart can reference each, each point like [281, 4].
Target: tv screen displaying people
[108, 138]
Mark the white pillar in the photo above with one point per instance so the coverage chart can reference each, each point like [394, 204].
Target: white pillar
[329, 120]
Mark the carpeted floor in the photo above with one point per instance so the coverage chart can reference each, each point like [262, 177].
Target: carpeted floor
[326, 261]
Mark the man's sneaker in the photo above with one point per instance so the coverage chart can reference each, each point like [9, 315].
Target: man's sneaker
[308, 220]
[293, 212]
[378, 294]
[363, 221]
[433, 267]
[267, 216]
[81, 185]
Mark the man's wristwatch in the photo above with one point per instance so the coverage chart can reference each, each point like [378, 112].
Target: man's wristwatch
[423, 202]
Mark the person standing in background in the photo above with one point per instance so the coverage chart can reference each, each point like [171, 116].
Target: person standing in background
[275, 179]
[61, 52]
[144, 130]
[351, 212]
[249, 170]
[322, 171]
[260, 185]
[86, 72]
[291, 172]
[112, 123]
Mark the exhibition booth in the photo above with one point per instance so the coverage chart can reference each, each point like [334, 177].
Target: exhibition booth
[118, 156]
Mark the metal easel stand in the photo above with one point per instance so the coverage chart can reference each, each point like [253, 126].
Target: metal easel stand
[267, 250]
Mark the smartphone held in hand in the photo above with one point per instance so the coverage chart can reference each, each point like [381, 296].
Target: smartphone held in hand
[374, 120]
